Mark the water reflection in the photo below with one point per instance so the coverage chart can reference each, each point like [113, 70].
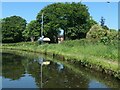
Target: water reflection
[12, 66]
[0, 82]
[35, 69]
[38, 72]
[42, 62]
[96, 84]
[60, 66]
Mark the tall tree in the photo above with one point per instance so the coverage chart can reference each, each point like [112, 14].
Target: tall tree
[73, 18]
[12, 28]
[32, 31]
[102, 21]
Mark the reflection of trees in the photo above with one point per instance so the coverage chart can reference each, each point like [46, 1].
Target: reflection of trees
[65, 78]
[70, 75]
[12, 66]
[104, 79]
[0, 63]
[53, 78]
[33, 68]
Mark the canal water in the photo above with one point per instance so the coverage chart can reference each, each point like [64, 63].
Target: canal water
[32, 70]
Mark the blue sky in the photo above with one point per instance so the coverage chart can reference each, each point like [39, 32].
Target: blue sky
[29, 10]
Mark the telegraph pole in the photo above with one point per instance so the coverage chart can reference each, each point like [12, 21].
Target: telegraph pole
[42, 26]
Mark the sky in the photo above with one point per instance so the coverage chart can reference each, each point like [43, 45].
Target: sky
[29, 11]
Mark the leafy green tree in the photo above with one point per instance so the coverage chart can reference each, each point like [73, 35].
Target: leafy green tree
[73, 18]
[32, 31]
[12, 28]
[102, 21]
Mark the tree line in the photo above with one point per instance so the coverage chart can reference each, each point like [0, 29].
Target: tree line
[73, 18]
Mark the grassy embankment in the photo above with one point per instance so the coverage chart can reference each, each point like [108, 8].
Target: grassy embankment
[90, 54]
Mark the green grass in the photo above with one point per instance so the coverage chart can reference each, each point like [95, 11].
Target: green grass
[86, 51]
[82, 47]
[75, 48]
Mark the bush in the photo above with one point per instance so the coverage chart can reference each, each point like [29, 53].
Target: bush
[113, 35]
[96, 32]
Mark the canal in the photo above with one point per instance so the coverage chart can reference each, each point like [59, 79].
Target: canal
[21, 69]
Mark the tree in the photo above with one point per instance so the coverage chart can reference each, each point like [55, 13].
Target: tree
[32, 31]
[102, 21]
[73, 18]
[12, 28]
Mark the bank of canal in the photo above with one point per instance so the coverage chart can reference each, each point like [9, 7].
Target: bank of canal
[21, 69]
[92, 62]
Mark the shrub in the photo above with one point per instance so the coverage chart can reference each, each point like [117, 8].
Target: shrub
[96, 32]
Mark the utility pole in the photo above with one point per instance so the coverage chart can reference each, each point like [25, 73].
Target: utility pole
[42, 26]
[42, 37]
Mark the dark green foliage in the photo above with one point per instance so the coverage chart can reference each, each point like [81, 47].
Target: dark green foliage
[12, 28]
[12, 68]
[105, 27]
[110, 38]
[102, 21]
[73, 18]
[32, 31]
